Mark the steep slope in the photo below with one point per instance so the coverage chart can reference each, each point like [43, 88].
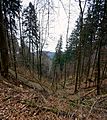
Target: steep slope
[19, 102]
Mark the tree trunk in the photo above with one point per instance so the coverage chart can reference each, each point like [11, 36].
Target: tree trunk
[21, 40]
[3, 47]
[98, 67]
[40, 64]
[79, 48]
[65, 73]
[13, 47]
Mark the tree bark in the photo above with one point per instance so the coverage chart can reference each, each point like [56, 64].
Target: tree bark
[3, 47]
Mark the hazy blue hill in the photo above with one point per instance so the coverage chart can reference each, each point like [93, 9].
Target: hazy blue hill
[50, 54]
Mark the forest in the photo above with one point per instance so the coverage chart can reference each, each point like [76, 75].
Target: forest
[68, 84]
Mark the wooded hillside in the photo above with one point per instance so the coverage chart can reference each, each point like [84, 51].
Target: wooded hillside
[68, 84]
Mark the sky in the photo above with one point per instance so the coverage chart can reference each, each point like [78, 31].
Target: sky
[58, 20]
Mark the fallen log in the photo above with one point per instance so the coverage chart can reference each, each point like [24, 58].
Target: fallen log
[33, 85]
[86, 94]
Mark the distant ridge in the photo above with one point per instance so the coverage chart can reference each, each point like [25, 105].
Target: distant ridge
[49, 54]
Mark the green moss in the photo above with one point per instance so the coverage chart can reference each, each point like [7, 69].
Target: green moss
[54, 110]
[30, 103]
[73, 103]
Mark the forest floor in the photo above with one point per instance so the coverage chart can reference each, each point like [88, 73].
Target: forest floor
[19, 102]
